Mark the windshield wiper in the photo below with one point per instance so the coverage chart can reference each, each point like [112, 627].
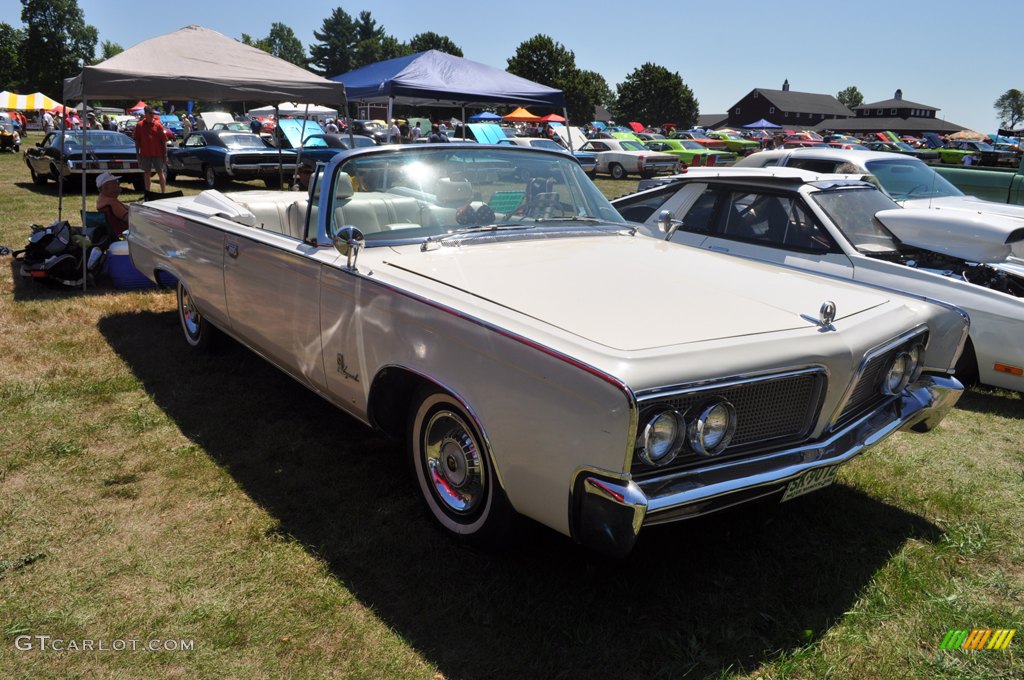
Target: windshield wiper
[576, 218]
[480, 229]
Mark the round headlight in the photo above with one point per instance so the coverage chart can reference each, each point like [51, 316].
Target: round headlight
[898, 375]
[662, 438]
[712, 428]
[917, 361]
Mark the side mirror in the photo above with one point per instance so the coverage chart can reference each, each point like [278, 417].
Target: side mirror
[348, 241]
[668, 225]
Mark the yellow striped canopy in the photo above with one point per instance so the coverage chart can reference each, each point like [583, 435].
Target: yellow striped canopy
[10, 101]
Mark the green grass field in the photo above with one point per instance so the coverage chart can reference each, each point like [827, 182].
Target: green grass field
[147, 493]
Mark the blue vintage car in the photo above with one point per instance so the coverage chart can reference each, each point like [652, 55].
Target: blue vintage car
[173, 123]
[218, 156]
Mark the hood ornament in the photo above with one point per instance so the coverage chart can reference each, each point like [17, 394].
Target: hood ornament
[826, 315]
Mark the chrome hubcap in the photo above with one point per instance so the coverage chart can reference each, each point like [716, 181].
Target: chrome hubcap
[189, 315]
[453, 462]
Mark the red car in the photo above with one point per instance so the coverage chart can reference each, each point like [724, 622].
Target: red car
[128, 128]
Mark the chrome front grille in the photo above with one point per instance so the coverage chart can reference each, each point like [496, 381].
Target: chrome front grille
[771, 411]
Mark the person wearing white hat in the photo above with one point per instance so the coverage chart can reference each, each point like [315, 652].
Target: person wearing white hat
[109, 204]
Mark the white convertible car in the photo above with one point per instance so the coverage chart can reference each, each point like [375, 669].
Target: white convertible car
[537, 354]
[849, 229]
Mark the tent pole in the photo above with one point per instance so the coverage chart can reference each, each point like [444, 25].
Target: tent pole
[464, 123]
[280, 142]
[302, 141]
[391, 111]
[60, 175]
[568, 132]
[85, 182]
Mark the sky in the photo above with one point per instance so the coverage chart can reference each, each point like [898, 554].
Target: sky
[942, 53]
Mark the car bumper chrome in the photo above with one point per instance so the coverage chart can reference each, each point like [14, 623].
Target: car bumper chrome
[608, 512]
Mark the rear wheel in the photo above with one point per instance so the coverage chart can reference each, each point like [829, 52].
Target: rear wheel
[617, 171]
[455, 472]
[199, 333]
[210, 177]
[36, 177]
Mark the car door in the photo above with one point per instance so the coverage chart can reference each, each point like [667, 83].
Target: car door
[191, 155]
[41, 158]
[772, 226]
[271, 286]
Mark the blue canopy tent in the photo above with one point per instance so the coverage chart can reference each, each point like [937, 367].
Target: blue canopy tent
[433, 78]
[484, 117]
[763, 125]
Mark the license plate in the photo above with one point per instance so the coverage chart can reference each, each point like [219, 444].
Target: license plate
[812, 480]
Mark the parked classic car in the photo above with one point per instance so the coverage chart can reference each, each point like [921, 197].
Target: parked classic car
[622, 157]
[105, 151]
[736, 143]
[10, 138]
[985, 153]
[701, 138]
[217, 156]
[127, 127]
[587, 160]
[372, 129]
[904, 148]
[494, 325]
[850, 229]
[690, 152]
[173, 123]
[907, 180]
[233, 126]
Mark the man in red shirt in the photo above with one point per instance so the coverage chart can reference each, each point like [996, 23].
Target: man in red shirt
[151, 146]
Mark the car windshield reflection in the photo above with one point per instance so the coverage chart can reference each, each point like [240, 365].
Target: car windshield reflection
[910, 178]
[853, 211]
[433, 192]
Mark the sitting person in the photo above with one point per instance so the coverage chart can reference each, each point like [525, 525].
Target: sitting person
[109, 204]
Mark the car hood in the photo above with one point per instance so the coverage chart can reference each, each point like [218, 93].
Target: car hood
[968, 234]
[969, 204]
[641, 293]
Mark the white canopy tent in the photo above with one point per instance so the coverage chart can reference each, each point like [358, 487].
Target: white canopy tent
[295, 109]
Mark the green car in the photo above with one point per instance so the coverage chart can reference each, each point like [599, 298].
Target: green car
[737, 144]
[690, 152]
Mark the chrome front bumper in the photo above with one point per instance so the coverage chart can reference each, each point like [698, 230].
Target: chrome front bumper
[608, 512]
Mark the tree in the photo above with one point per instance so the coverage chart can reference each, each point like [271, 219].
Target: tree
[11, 41]
[332, 55]
[547, 62]
[652, 94]
[851, 97]
[598, 92]
[1010, 108]
[543, 61]
[282, 42]
[421, 42]
[108, 49]
[57, 40]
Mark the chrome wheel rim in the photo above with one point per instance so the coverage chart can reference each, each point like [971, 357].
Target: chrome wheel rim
[211, 177]
[190, 317]
[453, 463]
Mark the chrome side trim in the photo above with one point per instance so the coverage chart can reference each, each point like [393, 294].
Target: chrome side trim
[655, 393]
[900, 339]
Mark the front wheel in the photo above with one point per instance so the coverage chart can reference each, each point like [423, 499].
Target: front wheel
[455, 472]
[618, 172]
[199, 333]
[37, 179]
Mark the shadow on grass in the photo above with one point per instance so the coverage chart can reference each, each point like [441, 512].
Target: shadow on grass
[993, 402]
[26, 289]
[729, 591]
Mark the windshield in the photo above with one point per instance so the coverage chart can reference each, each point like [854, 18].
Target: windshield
[629, 145]
[545, 144]
[242, 141]
[410, 194]
[688, 144]
[853, 211]
[96, 138]
[908, 177]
